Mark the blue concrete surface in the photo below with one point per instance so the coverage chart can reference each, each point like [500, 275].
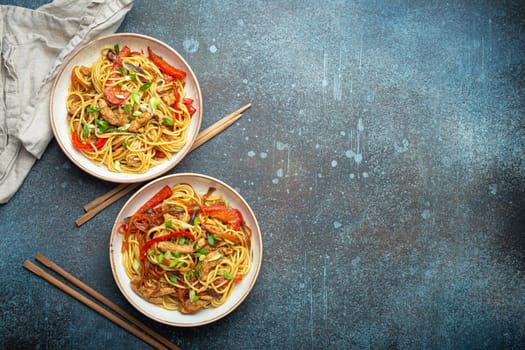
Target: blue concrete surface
[383, 156]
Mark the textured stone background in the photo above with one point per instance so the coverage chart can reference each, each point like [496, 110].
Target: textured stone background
[383, 157]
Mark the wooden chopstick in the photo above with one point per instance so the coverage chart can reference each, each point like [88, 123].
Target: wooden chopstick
[218, 126]
[150, 336]
[104, 204]
[100, 203]
[104, 197]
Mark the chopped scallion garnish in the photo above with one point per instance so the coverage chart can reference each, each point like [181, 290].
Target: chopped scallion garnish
[145, 86]
[167, 121]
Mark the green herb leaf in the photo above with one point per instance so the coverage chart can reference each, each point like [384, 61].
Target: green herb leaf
[173, 279]
[127, 108]
[160, 258]
[116, 48]
[227, 275]
[168, 223]
[125, 144]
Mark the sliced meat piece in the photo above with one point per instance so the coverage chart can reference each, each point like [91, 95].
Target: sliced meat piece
[110, 116]
[183, 249]
[140, 122]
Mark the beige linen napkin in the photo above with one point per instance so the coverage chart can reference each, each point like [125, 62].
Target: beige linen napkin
[33, 45]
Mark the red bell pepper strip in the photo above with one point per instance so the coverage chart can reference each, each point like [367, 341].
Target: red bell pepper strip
[177, 100]
[188, 102]
[113, 93]
[89, 145]
[164, 66]
[148, 244]
[229, 216]
[164, 193]
[237, 278]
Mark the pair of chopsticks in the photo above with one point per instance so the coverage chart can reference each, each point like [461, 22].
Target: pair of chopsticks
[102, 202]
[139, 329]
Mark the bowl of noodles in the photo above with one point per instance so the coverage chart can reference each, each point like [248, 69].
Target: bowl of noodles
[186, 250]
[125, 107]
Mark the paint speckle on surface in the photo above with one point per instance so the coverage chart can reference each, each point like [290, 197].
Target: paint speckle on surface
[493, 188]
[263, 155]
[190, 45]
[365, 174]
[281, 146]
[334, 163]
[356, 261]
[251, 154]
[403, 148]
[275, 181]
[352, 175]
[280, 172]
[425, 214]
[356, 139]
[360, 125]
[337, 224]
[213, 49]
[337, 88]
[245, 81]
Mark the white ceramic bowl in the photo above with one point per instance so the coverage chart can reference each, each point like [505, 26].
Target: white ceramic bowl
[88, 54]
[201, 183]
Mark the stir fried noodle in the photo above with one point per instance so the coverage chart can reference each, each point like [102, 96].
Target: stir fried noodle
[184, 250]
[128, 111]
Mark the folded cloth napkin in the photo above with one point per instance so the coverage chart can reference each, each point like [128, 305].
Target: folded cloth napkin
[33, 45]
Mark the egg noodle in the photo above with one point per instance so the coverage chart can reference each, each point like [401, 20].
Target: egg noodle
[128, 111]
[185, 251]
